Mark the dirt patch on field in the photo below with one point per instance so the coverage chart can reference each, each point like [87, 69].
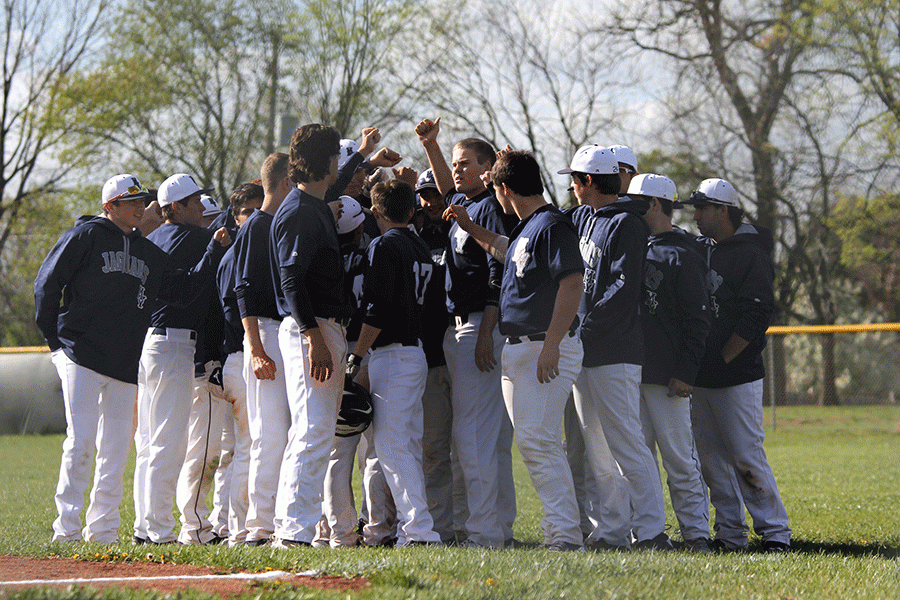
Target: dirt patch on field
[167, 578]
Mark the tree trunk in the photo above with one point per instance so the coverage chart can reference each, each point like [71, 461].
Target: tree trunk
[829, 396]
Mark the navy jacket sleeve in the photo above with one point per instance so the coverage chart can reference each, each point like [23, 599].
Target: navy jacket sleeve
[693, 315]
[61, 263]
[627, 251]
[179, 287]
[345, 175]
[755, 296]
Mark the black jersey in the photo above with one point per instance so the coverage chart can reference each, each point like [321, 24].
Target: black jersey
[398, 274]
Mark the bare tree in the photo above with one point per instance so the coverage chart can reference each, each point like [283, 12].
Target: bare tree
[527, 78]
[43, 43]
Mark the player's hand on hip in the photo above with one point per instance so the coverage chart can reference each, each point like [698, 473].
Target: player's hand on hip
[548, 363]
[678, 388]
[484, 353]
[263, 366]
[321, 366]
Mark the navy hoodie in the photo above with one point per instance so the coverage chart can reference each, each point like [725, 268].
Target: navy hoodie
[613, 247]
[740, 283]
[97, 289]
[675, 310]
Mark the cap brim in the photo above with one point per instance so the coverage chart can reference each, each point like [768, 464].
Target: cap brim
[426, 187]
[565, 171]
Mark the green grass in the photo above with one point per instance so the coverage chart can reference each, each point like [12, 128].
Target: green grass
[838, 470]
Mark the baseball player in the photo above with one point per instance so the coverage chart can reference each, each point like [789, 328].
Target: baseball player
[267, 403]
[398, 272]
[675, 321]
[607, 395]
[314, 307]
[541, 291]
[596, 514]
[166, 373]
[94, 295]
[481, 430]
[232, 485]
[437, 459]
[727, 396]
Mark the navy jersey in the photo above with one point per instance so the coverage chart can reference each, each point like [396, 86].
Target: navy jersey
[674, 314]
[307, 256]
[97, 289]
[435, 315]
[742, 299]
[543, 249]
[254, 280]
[398, 273]
[185, 245]
[233, 338]
[354, 270]
[613, 244]
[473, 276]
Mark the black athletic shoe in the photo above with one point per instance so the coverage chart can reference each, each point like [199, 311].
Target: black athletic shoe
[720, 547]
[139, 541]
[604, 546]
[288, 544]
[660, 542]
[563, 547]
[700, 545]
[774, 547]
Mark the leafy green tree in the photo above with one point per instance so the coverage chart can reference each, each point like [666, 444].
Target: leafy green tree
[870, 248]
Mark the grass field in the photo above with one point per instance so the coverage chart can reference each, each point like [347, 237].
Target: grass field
[838, 470]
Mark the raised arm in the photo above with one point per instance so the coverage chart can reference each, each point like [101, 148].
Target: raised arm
[427, 130]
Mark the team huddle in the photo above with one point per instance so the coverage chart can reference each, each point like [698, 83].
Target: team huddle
[247, 352]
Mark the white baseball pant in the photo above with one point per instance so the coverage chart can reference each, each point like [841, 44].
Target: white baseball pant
[477, 420]
[269, 419]
[609, 395]
[314, 408]
[667, 425]
[337, 528]
[166, 386]
[536, 411]
[729, 435]
[200, 462]
[99, 412]
[437, 411]
[379, 511]
[397, 376]
[239, 470]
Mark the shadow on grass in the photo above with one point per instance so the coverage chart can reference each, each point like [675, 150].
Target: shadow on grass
[844, 548]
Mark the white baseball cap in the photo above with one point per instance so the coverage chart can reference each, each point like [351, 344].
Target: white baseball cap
[351, 216]
[593, 160]
[655, 186]
[123, 187]
[714, 191]
[210, 206]
[625, 155]
[178, 187]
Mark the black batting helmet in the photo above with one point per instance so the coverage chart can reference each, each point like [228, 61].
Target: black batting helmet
[355, 415]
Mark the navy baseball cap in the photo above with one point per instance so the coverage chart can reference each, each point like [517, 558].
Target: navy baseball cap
[426, 181]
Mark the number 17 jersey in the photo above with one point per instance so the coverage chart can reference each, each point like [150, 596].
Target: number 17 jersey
[398, 272]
